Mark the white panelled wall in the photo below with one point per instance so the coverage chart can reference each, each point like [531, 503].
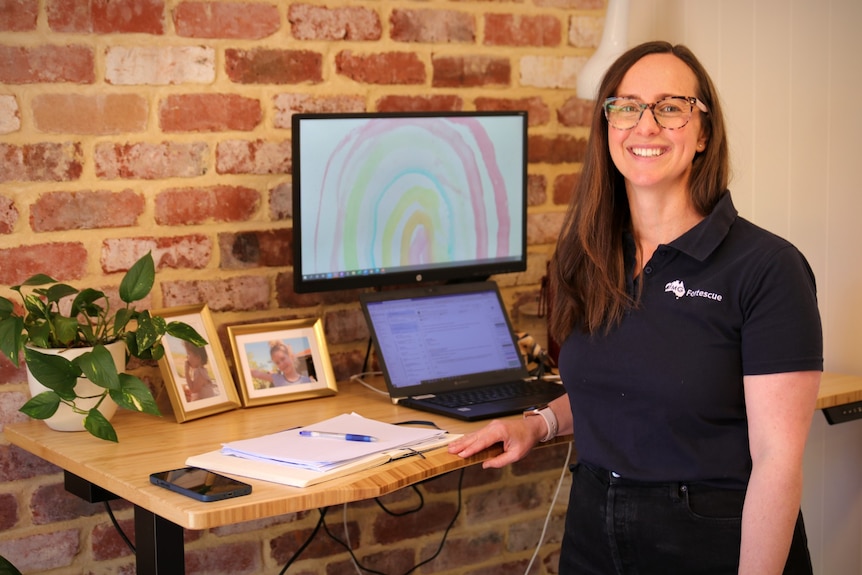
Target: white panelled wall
[790, 76]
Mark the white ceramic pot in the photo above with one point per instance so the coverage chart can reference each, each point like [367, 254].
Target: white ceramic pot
[66, 419]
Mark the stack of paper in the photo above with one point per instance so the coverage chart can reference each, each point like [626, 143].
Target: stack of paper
[290, 458]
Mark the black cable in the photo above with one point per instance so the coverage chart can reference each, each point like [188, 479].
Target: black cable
[421, 563]
[118, 528]
[407, 512]
[305, 544]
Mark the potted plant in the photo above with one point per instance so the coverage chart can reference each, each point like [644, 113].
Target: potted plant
[86, 331]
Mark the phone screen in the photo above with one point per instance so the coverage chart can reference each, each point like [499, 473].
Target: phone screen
[200, 484]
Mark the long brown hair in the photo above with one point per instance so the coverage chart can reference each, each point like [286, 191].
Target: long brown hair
[588, 280]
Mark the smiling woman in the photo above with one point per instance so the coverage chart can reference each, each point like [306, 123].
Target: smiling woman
[680, 323]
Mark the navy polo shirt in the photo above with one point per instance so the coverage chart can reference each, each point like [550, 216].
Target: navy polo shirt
[660, 397]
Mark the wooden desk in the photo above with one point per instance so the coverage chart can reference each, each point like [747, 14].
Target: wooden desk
[97, 470]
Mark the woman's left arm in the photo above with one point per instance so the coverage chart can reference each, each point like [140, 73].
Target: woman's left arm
[780, 407]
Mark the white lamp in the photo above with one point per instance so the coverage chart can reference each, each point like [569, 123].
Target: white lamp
[614, 42]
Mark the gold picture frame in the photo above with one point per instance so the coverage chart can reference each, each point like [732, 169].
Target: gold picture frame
[213, 390]
[281, 361]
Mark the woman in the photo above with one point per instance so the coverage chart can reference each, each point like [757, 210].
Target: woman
[691, 346]
[286, 363]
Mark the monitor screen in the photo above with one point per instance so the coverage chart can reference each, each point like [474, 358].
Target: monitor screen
[405, 198]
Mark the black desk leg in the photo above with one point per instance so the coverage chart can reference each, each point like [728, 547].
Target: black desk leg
[158, 544]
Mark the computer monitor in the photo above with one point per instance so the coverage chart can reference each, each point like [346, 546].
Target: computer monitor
[405, 198]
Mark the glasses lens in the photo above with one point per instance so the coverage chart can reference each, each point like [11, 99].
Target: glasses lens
[672, 113]
[622, 113]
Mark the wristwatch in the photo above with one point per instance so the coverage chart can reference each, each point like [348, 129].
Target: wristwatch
[546, 413]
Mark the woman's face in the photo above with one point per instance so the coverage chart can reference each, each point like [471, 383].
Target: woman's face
[648, 156]
[283, 361]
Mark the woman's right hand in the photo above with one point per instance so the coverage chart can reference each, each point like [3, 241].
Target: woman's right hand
[518, 437]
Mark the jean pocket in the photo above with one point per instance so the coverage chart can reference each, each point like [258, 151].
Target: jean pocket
[713, 503]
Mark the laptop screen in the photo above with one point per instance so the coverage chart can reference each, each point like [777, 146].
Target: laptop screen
[431, 340]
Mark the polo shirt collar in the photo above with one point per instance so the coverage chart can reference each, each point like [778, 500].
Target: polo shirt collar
[701, 240]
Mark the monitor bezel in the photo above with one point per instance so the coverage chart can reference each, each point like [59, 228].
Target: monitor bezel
[444, 273]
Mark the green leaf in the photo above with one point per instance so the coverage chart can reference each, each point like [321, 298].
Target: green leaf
[185, 332]
[122, 319]
[11, 337]
[58, 291]
[40, 335]
[139, 280]
[6, 307]
[84, 303]
[135, 395]
[99, 367]
[147, 333]
[36, 280]
[41, 406]
[54, 372]
[65, 329]
[96, 424]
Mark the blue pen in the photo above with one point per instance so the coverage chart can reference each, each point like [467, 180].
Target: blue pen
[331, 435]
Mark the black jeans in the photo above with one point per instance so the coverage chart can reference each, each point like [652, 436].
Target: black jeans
[616, 526]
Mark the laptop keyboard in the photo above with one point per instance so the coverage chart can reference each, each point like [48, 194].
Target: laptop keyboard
[498, 392]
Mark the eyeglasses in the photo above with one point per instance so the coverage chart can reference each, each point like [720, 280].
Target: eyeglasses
[671, 113]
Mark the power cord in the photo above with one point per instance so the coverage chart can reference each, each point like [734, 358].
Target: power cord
[550, 510]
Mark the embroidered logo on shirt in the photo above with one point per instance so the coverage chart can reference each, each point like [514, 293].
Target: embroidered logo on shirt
[677, 288]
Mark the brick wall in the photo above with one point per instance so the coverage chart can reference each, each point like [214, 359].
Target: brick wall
[164, 125]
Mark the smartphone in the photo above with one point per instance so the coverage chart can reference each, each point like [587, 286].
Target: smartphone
[200, 484]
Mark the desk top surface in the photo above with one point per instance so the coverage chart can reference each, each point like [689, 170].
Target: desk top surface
[148, 444]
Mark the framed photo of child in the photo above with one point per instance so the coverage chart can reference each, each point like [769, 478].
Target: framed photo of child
[281, 361]
[197, 379]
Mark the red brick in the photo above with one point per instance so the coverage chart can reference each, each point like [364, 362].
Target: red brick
[15, 464]
[463, 551]
[41, 162]
[11, 401]
[561, 149]
[433, 517]
[564, 188]
[159, 65]
[47, 63]
[186, 206]
[345, 326]
[106, 543]
[385, 68]
[470, 71]
[52, 503]
[11, 374]
[280, 202]
[544, 228]
[285, 545]
[18, 15]
[522, 30]
[345, 364]
[106, 16]
[209, 113]
[251, 21]
[286, 105]
[90, 114]
[576, 112]
[8, 511]
[386, 561]
[432, 26]
[178, 252]
[8, 215]
[538, 112]
[287, 298]
[572, 4]
[268, 66]
[270, 248]
[63, 260]
[309, 22]
[10, 115]
[537, 186]
[85, 210]
[548, 458]
[150, 161]
[243, 293]
[419, 103]
[253, 157]
[234, 558]
[43, 552]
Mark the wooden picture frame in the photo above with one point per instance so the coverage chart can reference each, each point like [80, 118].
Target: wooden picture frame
[266, 374]
[213, 390]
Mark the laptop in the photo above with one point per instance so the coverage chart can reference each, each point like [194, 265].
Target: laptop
[451, 350]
